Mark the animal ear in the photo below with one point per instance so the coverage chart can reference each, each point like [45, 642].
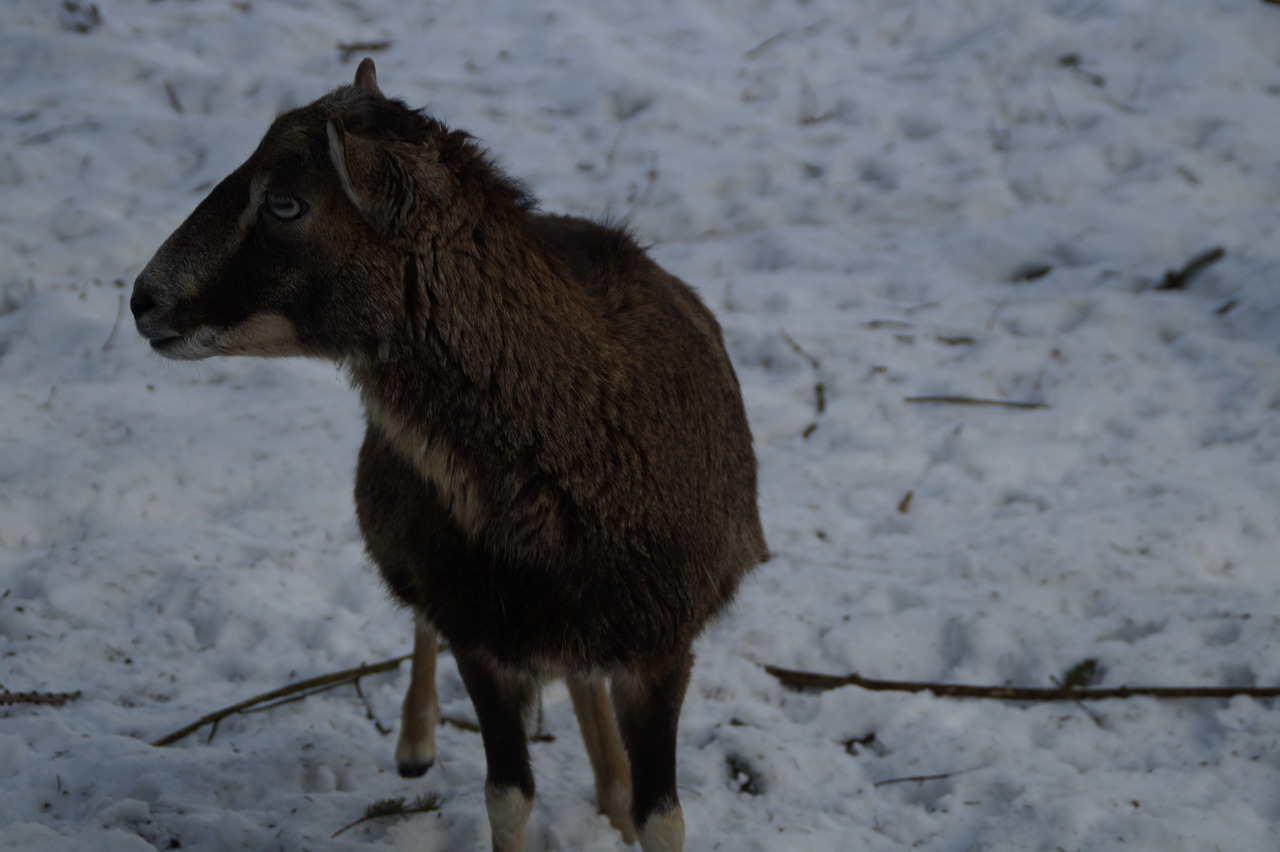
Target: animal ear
[337, 134]
[367, 76]
[377, 177]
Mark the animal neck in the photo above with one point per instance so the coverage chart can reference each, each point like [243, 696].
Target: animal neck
[504, 361]
[494, 339]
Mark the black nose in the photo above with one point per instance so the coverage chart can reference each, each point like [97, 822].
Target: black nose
[141, 303]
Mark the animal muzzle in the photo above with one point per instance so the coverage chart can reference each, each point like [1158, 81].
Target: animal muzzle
[157, 317]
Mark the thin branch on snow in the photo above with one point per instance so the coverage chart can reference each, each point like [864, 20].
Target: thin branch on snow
[305, 687]
[968, 400]
[919, 779]
[797, 348]
[111, 338]
[387, 808]
[351, 48]
[819, 389]
[814, 680]
[1178, 279]
[53, 698]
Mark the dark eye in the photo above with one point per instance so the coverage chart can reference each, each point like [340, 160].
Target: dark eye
[284, 207]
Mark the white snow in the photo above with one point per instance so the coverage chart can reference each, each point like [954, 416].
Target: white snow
[865, 178]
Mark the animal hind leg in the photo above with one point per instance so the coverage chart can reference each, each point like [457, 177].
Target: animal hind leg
[502, 701]
[647, 700]
[604, 748]
[416, 749]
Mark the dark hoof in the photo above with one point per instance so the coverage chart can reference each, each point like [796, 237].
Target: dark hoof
[413, 770]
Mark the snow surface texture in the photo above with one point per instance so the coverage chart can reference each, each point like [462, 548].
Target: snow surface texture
[976, 198]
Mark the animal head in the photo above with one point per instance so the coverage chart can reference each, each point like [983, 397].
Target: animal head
[303, 249]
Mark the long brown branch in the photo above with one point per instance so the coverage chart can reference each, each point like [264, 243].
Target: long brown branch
[311, 685]
[54, 698]
[815, 680]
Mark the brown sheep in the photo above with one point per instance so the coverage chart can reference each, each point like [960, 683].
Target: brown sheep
[557, 473]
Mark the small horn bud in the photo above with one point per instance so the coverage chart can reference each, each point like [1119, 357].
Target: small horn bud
[367, 76]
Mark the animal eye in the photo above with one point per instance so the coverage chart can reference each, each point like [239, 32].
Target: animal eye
[285, 208]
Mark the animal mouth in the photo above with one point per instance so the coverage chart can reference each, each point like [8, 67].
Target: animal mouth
[183, 347]
[160, 344]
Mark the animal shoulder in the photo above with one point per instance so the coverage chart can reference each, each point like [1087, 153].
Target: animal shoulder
[599, 256]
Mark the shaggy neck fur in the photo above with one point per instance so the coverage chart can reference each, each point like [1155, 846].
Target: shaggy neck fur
[493, 348]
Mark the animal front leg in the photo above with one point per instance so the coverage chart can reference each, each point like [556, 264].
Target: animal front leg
[502, 701]
[604, 748]
[647, 700]
[416, 750]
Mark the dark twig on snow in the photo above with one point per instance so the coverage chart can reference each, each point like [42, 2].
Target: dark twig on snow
[53, 698]
[174, 100]
[1094, 717]
[797, 348]
[291, 692]
[968, 400]
[819, 389]
[766, 44]
[919, 779]
[387, 808]
[814, 680]
[305, 689]
[111, 338]
[351, 48]
[1178, 279]
[1030, 272]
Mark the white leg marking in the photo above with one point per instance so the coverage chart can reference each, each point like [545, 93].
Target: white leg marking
[508, 813]
[663, 831]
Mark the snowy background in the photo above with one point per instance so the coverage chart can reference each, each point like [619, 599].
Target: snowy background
[881, 199]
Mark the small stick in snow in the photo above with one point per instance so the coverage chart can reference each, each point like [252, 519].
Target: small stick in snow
[797, 348]
[995, 314]
[368, 712]
[819, 389]
[1178, 279]
[351, 48]
[53, 698]
[172, 92]
[967, 400]
[309, 687]
[916, 778]
[1097, 720]
[287, 695]
[766, 44]
[814, 680]
[111, 338]
[385, 808]
[1031, 272]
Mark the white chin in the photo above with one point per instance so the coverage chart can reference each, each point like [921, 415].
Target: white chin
[194, 348]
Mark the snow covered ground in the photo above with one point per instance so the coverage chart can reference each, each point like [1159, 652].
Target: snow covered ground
[882, 199]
